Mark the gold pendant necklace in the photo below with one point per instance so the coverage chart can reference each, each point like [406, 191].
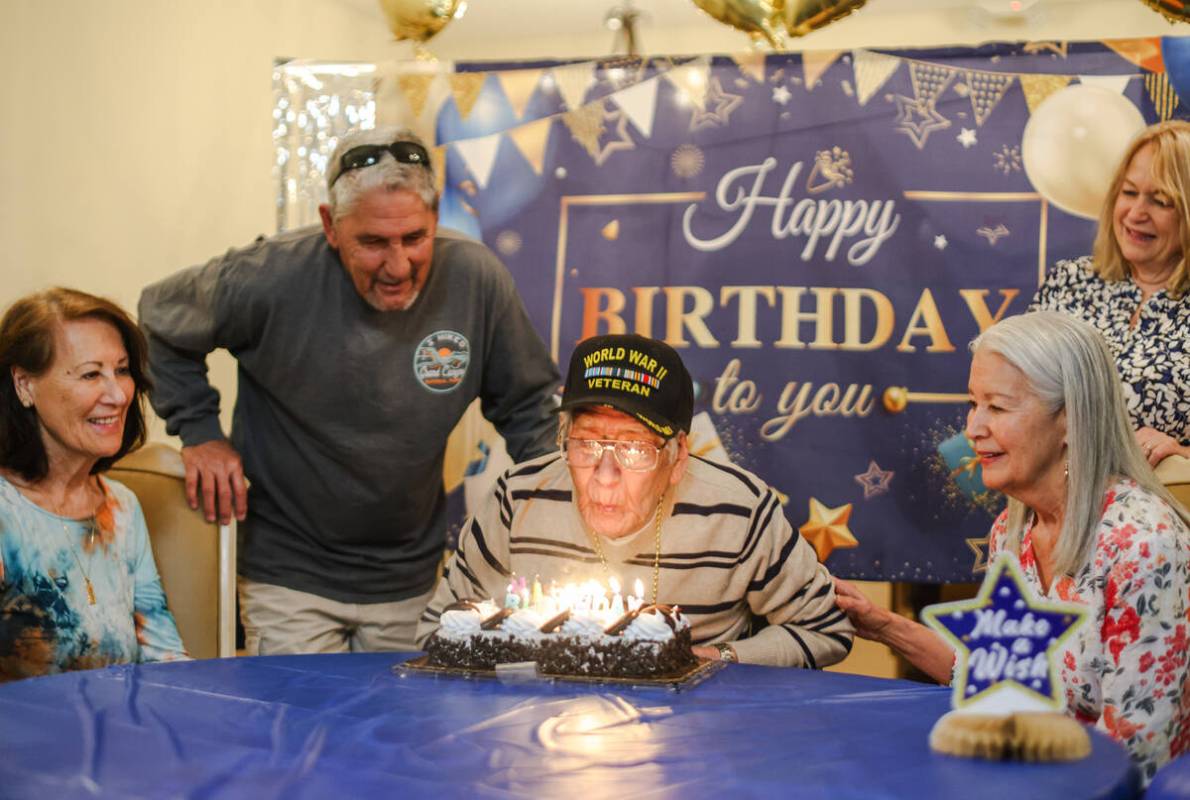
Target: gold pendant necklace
[79, 561]
[594, 537]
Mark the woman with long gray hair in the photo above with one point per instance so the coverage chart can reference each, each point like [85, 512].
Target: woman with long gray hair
[1090, 524]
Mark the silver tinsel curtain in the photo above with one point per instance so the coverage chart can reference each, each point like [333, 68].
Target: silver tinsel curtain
[314, 103]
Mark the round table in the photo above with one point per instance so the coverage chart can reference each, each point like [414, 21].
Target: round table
[349, 726]
[1172, 782]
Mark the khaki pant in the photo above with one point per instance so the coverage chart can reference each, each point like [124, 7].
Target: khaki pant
[280, 621]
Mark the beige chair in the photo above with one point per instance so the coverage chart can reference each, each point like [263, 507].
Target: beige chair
[196, 558]
[1174, 472]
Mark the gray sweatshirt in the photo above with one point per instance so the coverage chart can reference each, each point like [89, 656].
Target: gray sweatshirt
[343, 412]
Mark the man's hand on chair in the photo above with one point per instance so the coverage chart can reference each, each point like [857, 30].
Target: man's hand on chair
[215, 470]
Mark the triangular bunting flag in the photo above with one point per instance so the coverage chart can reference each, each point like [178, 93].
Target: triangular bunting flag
[751, 64]
[530, 139]
[872, 70]
[815, 63]
[415, 88]
[929, 80]
[1116, 83]
[1144, 53]
[1164, 98]
[639, 103]
[573, 81]
[691, 80]
[1038, 87]
[986, 89]
[586, 126]
[519, 85]
[466, 86]
[479, 156]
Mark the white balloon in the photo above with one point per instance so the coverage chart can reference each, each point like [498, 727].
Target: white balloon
[1073, 143]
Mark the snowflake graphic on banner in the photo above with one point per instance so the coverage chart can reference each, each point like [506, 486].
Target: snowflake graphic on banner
[917, 116]
[1007, 159]
[509, 243]
[687, 161]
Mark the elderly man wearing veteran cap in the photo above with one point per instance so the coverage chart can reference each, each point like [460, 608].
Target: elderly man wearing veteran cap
[359, 346]
[625, 498]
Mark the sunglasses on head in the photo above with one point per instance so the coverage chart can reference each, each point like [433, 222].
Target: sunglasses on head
[368, 154]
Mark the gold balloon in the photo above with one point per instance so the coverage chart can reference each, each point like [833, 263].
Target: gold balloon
[757, 18]
[803, 16]
[419, 20]
[1172, 10]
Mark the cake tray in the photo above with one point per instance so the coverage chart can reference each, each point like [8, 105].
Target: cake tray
[527, 672]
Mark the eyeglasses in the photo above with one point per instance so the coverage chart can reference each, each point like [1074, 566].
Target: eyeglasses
[631, 456]
[368, 154]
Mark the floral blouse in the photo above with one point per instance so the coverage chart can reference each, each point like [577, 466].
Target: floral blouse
[79, 594]
[1153, 358]
[1125, 669]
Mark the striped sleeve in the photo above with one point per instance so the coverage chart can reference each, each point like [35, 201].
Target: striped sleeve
[479, 568]
[795, 594]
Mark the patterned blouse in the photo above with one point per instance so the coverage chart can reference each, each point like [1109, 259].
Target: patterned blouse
[1125, 669]
[52, 567]
[1153, 358]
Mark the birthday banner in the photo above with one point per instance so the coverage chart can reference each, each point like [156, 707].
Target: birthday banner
[820, 235]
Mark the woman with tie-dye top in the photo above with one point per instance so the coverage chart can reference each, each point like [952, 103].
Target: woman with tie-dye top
[78, 585]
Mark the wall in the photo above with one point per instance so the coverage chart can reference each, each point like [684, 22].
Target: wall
[677, 27]
[136, 136]
[137, 133]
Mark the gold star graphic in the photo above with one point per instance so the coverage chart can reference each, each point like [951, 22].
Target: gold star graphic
[979, 547]
[716, 107]
[917, 119]
[826, 529]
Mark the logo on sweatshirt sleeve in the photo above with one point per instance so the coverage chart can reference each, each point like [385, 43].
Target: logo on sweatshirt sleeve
[440, 361]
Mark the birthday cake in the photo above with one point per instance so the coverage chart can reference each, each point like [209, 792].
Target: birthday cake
[642, 641]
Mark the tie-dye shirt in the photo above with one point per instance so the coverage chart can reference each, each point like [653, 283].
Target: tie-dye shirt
[47, 622]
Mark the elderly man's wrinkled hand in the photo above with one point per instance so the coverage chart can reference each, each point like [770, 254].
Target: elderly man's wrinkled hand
[215, 472]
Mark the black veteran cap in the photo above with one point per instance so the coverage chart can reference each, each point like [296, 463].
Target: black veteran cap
[642, 377]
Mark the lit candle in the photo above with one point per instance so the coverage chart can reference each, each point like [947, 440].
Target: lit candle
[537, 593]
[638, 598]
[617, 600]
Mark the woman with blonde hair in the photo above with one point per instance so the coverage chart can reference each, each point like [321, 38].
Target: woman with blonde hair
[1089, 522]
[1135, 287]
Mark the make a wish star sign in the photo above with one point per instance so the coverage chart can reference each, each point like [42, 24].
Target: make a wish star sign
[1006, 638]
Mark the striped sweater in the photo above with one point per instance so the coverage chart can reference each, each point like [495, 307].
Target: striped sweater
[727, 553]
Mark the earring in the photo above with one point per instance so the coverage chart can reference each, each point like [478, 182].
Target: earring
[1066, 470]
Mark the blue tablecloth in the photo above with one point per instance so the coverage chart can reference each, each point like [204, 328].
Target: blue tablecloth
[1172, 782]
[346, 726]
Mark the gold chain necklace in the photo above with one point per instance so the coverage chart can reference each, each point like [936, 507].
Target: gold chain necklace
[74, 552]
[656, 549]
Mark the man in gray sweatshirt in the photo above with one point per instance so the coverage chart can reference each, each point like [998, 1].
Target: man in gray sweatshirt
[359, 345]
